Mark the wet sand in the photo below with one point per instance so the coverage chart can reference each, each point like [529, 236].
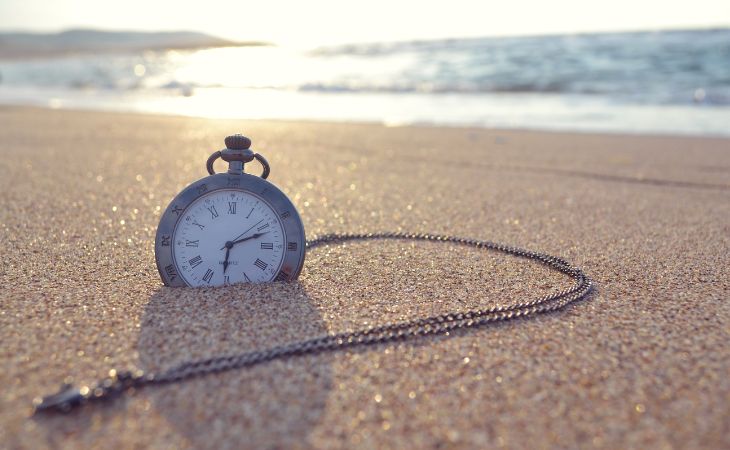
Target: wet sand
[642, 363]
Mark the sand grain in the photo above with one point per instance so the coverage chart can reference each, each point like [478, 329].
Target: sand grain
[643, 364]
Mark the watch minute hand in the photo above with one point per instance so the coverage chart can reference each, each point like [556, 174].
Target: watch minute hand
[225, 261]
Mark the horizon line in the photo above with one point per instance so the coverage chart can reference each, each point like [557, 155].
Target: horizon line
[677, 28]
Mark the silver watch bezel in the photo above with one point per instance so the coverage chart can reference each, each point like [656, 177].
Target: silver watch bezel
[293, 261]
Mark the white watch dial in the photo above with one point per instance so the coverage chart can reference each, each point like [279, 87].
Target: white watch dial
[229, 222]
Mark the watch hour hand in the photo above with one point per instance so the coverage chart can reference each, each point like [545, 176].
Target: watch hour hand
[253, 236]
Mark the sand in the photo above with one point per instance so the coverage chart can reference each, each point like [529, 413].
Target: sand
[643, 363]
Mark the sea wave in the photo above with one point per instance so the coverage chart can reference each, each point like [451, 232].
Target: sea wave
[677, 67]
[681, 77]
[664, 67]
[434, 88]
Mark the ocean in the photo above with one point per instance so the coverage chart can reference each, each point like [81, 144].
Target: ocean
[665, 82]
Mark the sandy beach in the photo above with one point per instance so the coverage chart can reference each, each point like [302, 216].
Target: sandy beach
[642, 363]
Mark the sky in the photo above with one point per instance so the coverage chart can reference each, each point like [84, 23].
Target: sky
[322, 22]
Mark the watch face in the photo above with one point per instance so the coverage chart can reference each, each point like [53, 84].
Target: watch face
[227, 229]
[228, 236]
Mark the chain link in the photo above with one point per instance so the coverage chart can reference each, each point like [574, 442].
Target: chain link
[70, 396]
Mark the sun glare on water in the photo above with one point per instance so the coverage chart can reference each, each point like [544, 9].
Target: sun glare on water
[263, 82]
[644, 82]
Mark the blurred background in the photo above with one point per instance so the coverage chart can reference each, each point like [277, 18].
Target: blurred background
[622, 66]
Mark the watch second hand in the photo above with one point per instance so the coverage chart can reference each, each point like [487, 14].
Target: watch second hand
[232, 240]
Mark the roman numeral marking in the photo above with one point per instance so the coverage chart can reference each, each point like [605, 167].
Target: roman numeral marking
[226, 279]
[245, 277]
[231, 207]
[202, 188]
[285, 215]
[267, 246]
[262, 227]
[260, 264]
[195, 262]
[208, 276]
[292, 246]
[171, 272]
[177, 210]
[165, 241]
[282, 276]
[213, 212]
[191, 243]
[249, 213]
[198, 225]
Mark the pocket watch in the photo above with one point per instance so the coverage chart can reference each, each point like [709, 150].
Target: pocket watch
[230, 227]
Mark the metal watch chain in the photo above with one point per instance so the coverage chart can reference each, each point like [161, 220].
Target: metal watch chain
[119, 382]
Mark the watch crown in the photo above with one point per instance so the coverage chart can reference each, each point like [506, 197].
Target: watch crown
[237, 142]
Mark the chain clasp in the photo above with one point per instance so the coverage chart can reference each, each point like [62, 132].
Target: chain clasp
[67, 397]
[70, 396]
